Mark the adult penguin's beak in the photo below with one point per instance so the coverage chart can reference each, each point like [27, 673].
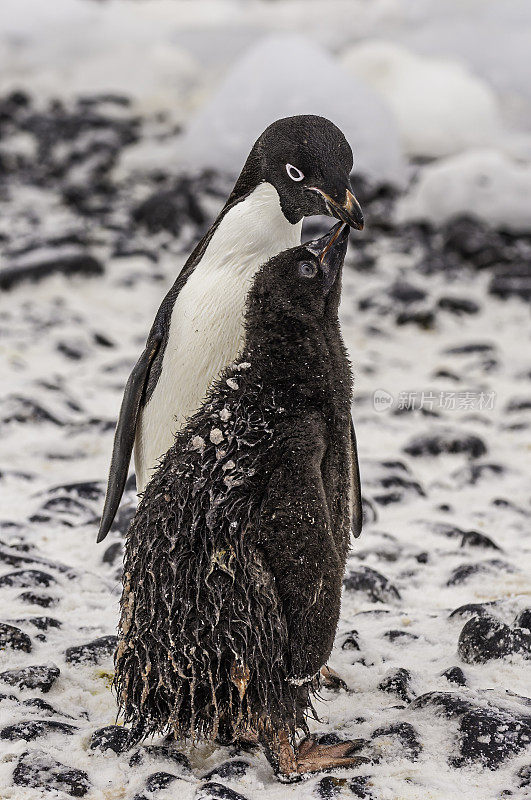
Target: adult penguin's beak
[330, 249]
[347, 210]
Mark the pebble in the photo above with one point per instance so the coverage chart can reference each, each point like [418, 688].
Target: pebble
[14, 638]
[27, 578]
[448, 441]
[488, 737]
[217, 791]
[405, 735]
[398, 682]
[93, 652]
[37, 269]
[159, 752]
[38, 770]
[112, 737]
[40, 677]
[35, 729]
[228, 769]
[455, 675]
[375, 586]
[485, 638]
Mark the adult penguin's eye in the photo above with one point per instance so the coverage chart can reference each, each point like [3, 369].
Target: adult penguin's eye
[307, 269]
[294, 173]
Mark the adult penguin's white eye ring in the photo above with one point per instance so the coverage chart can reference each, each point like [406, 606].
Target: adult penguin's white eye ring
[294, 173]
[307, 269]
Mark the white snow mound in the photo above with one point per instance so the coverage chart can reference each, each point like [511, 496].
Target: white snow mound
[485, 183]
[440, 107]
[281, 76]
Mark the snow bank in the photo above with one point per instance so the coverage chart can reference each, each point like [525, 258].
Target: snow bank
[483, 182]
[439, 106]
[284, 75]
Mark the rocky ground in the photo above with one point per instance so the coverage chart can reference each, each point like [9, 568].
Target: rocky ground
[435, 633]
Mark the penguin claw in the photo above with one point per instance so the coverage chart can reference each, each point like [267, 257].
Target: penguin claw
[310, 756]
[314, 757]
[331, 680]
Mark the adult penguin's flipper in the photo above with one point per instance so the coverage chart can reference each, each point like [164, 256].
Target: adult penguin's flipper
[124, 436]
[357, 508]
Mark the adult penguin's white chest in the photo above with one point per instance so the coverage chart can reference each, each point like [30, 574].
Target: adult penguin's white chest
[206, 330]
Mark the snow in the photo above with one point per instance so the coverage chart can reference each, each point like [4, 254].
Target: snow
[402, 77]
[485, 183]
[440, 107]
[279, 77]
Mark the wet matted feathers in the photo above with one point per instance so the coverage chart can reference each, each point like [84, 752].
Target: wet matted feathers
[208, 657]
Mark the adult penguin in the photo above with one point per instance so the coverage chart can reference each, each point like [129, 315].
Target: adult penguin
[298, 167]
[235, 558]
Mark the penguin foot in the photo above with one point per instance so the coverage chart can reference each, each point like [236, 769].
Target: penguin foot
[314, 757]
[291, 764]
[331, 680]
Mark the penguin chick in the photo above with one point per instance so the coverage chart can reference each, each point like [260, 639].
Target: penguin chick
[235, 557]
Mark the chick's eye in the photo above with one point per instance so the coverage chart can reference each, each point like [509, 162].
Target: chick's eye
[294, 173]
[307, 269]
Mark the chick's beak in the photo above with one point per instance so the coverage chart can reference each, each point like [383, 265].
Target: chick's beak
[349, 211]
[330, 249]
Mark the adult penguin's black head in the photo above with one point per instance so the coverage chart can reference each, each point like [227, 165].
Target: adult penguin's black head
[308, 161]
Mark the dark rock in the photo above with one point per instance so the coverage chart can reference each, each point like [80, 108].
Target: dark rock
[458, 305]
[473, 473]
[351, 641]
[518, 404]
[465, 571]
[40, 677]
[123, 519]
[86, 490]
[159, 781]
[524, 619]
[27, 578]
[423, 319]
[359, 787]
[398, 682]
[405, 293]
[450, 703]
[375, 586]
[449, 441]
[472, 240]
[40, 771]
[406, 735]
[229, 769]
[38, 599]
[329, 787]
[42, 706]
[167, 210]
[486, 638]
[470, 349]
[14, 638]
[217, 791]
[455, 675]
[477, 539]
[112, 737]
[34, 729]
[489, 737]
[511, 280]
[37, 269]
[42, 623]
[473, 610]
[159, 752]
[92, 652]
[400, 636]
[113, 552]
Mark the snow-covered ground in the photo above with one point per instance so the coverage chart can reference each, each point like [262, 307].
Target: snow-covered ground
[435, 100]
